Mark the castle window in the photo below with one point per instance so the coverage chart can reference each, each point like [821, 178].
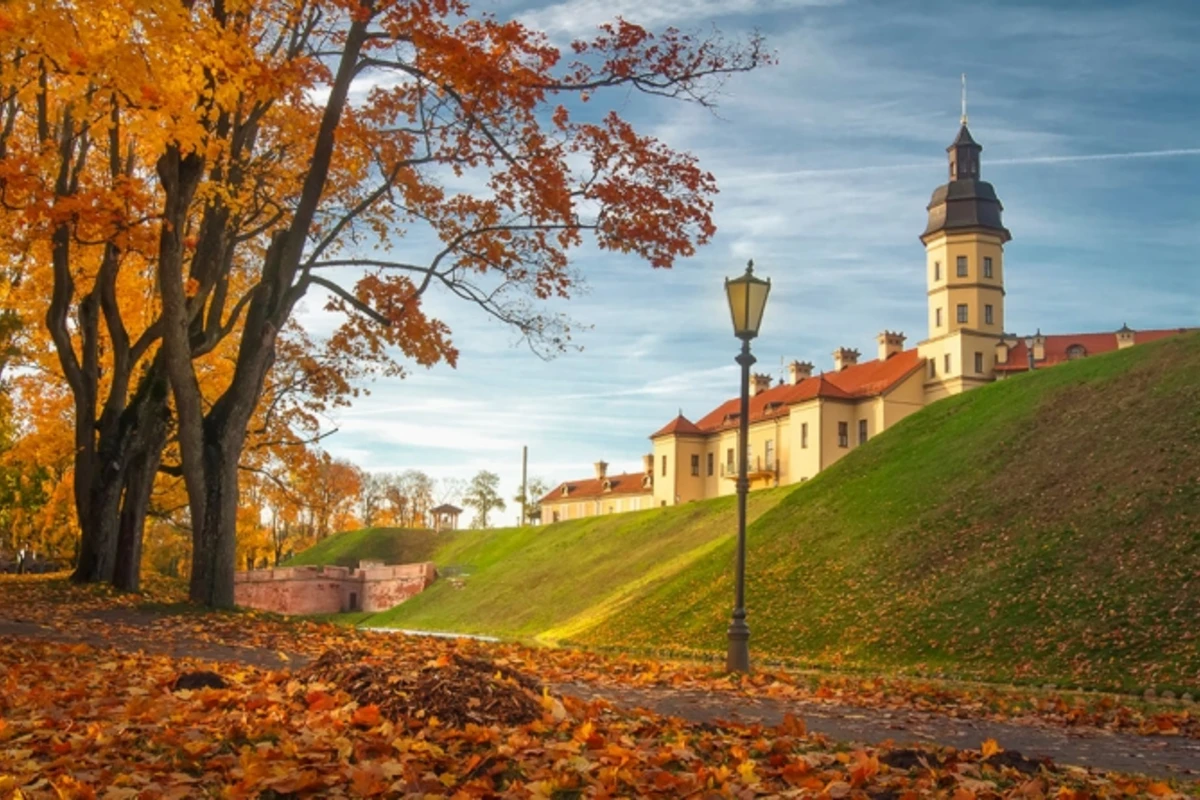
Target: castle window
[932, 368]
[554, 516]
[937, 270]
[729, 461]
[946, 366]
[938, 317]
[962, 266]
[987, 266]
[962, 312]
[1076, 351]
[862, 431]
[770, 454]
[979, 362]
[710, 464]
[988, 316]
[843, 434]
[804, 435]
[664, 466]
[695, 466]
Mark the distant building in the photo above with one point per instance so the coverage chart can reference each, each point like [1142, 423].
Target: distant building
[602, 494]
[445, 517]
[806, 423]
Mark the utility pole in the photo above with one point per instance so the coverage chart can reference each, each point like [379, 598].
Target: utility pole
[524, 481]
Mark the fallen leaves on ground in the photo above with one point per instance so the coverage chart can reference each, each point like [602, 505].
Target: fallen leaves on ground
[452, 688]
[80, 721]
[98, 614]
[362, 714]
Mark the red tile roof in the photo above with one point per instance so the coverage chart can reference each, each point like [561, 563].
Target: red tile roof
[862, 380]
[624, 484]
[1056, 346]
[679, 425]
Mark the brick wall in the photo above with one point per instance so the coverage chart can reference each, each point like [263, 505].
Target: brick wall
[329, 590]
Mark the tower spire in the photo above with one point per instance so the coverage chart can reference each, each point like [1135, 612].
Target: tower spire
[964, 98]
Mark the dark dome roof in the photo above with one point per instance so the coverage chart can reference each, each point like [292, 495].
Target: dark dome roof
[965, 204]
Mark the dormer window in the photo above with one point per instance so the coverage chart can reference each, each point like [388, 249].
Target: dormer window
[1076, 351]
[607, 485]
[566, 490]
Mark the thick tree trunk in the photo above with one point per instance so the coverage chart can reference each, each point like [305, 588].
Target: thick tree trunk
[135, 504]
[214, 543]
[98, 512]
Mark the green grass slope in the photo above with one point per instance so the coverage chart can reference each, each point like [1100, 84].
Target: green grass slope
[1046, 528]
[390, 545]
[560, 579]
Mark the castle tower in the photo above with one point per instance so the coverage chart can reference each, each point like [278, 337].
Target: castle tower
[964, 252]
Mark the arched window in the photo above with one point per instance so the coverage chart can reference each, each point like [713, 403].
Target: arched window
[1076, 351]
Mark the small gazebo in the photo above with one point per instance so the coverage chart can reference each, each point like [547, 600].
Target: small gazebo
[445, 517]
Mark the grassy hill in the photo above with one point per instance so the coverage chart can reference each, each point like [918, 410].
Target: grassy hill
[563, 578]
[390, 545]
[1045, 528]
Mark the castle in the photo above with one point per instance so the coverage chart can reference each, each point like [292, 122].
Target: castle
[806, 423]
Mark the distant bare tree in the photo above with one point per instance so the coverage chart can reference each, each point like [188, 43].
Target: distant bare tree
[450, 490]
[533, 503]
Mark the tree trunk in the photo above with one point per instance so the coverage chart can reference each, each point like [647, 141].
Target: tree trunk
[139, 483]
[98, 512]
[214, 543]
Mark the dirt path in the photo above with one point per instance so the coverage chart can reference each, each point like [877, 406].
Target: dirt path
[1158, 756]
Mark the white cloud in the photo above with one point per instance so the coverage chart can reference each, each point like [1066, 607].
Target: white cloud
[580, 17]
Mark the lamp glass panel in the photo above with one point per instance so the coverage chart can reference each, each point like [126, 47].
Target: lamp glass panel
[736, 291]
[757, 304]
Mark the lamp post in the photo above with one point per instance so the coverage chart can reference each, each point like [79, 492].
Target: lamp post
[1029, 349]
[747, 301]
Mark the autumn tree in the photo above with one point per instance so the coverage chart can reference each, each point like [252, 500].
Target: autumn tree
[372, 487]
[223, 173]
[483, 495]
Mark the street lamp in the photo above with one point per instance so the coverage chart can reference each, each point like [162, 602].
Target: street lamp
[747, 300]
[1029, 349]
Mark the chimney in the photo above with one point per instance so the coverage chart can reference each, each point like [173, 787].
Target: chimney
[759, 383]
[648, 464]
[601, 469]
[844, 357]
[1125, 337]
[798, 371]
[890, 344]
[1039, 346]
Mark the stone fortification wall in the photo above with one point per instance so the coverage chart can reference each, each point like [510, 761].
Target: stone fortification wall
[330, 590]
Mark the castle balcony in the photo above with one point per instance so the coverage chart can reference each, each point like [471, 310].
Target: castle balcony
[759, 471]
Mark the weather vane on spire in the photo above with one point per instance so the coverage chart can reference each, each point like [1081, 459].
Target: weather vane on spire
[964, 98]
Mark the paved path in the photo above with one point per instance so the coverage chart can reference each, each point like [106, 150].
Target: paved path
[1160, 756]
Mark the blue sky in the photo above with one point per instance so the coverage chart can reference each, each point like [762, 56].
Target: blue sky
[1088, 115]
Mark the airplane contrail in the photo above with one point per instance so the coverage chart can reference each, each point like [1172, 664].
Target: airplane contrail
[1178, 151]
